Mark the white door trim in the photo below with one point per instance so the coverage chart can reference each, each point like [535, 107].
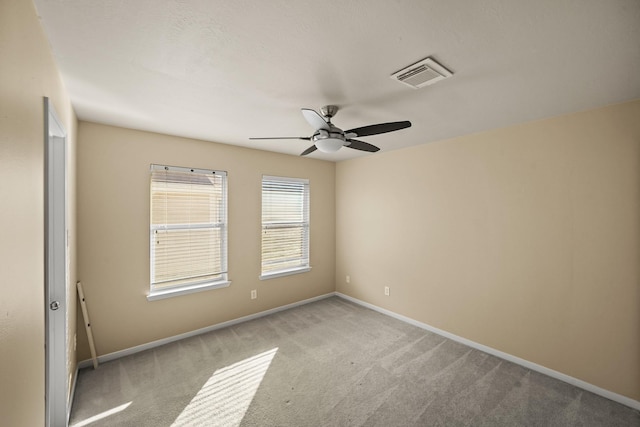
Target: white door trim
[56, 268]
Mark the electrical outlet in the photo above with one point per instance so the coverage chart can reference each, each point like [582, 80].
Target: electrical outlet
[386, 290]
[348, 279]
[254, 294]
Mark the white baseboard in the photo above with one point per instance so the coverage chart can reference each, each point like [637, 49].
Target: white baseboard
[128, 351]
[502, 355]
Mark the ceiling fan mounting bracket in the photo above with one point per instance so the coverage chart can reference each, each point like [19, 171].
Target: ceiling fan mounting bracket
[329, 111]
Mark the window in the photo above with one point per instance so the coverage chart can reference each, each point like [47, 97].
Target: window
[285, 226]
[188, 232]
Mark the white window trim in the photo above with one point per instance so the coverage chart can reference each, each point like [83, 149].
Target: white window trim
[283, 273]
[296, 270]
[185, 290]
[168, 292]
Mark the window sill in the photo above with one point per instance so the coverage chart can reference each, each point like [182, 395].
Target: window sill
[282, 273]
[184, 290]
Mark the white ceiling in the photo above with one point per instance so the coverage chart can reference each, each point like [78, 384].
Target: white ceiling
[224, 71]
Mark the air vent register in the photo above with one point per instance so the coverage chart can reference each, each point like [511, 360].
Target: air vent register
[422, 73]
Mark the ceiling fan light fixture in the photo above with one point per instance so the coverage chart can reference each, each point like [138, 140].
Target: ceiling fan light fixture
[329, 145]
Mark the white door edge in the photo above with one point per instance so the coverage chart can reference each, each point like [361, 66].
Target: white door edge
[56, 269]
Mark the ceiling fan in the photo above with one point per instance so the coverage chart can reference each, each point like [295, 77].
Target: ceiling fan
[328, 138]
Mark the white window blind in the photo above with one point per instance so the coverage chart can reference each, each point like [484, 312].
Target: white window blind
[285, 226]
[188, 233]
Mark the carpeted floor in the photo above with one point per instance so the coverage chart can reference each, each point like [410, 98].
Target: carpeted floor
[330, 363]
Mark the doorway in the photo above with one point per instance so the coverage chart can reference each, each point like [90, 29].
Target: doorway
[56, 268]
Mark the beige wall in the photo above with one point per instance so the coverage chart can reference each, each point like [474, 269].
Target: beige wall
[524, 239]
[113, 223]
[27, 74]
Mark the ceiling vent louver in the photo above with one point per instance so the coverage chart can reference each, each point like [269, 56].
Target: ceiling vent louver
[422, 73]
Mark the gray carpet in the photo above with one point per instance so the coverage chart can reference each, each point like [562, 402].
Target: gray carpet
[330, 363]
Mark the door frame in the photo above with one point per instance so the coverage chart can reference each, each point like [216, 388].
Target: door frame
[56, 268]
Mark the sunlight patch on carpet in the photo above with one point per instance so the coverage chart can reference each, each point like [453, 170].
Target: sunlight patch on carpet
[102, 415]
[225, 397]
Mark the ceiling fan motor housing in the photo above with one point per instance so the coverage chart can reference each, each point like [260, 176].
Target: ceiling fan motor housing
[329, 141]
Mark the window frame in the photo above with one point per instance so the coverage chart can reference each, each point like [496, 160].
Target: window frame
[195, 285]
[305, 266]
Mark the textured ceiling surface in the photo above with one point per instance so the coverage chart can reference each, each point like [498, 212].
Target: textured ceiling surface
[225, 71]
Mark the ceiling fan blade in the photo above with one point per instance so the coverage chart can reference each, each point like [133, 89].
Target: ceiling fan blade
[309, 150]
[304, 138]
[315, 119]
[362, 146]
[379, 128]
